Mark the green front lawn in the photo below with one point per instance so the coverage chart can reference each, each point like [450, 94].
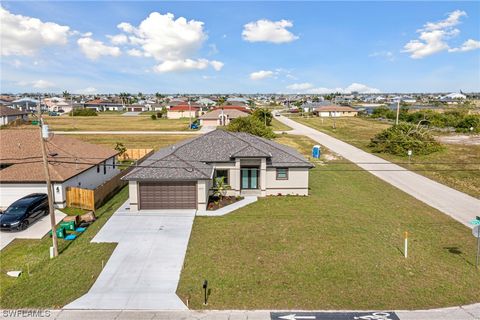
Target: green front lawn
[52, 283]
[457, 166]
[339, 248]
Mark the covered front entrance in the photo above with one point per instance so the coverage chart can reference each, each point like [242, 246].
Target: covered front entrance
[249, 178]
[168, 195]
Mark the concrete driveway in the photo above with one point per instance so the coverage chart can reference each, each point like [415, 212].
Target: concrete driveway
[36, 231]
[144, 270]
[454, 203]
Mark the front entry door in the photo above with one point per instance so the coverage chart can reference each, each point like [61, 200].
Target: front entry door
[249, 178]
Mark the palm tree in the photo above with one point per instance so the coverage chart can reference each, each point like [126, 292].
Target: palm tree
[158, 96]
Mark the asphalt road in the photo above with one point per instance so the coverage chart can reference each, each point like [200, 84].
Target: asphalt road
[456, 204]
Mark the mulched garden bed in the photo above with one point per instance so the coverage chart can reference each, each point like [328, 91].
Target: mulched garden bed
[215, 203]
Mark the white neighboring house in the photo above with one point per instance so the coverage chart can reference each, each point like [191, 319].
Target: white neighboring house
[8, 115]
[57, 104]
[72, 163]
[454, 96]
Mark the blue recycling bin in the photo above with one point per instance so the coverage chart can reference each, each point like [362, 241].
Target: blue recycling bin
[316, 152]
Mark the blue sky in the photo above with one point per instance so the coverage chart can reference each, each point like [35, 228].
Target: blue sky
[250, 47]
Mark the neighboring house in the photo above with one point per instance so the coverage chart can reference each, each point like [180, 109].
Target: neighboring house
[136, 108]
[8, 115]
[237, 101]
[72, 163]
[220, 117]
[25, 104]
[335, 111]
[206, 102]
[57, 104]
[182, 176]
[183, 111]
[103, 105]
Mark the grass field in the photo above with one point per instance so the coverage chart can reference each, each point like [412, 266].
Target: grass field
[115, 122]
[448, 166]
[279, 126]
[339, 248]
[52, 283]
[134, 141]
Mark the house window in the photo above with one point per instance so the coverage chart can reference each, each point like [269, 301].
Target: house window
[222, 173]
[98, 168]
[282, 173]
[104, 167]
[114, 163]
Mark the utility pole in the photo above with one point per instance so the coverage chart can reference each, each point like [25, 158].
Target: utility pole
[398, 112]
[51, 208]
[190, 113]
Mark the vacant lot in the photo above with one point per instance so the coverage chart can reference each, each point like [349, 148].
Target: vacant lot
[339, 248]
[52, 283]
[457, 166]
[134, 141]
[279, 126]
[115, 122]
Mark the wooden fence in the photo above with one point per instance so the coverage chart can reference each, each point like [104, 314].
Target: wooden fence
[134, 154]
[92, 199]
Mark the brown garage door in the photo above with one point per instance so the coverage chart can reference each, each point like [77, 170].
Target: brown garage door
[168, 195]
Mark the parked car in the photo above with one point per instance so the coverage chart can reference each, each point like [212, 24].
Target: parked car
[23, 212]
[53, 114]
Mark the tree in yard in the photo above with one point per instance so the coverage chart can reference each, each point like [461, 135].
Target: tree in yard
[120, 147]
[220, 188]
[263, 115]
[251, 125]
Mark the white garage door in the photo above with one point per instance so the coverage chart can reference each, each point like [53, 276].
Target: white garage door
[10, 193]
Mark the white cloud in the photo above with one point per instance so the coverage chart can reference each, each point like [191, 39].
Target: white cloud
[135, 53]
[262, 74]
[468, 45]
[300, 86]
[434, 35]
[88, 90]
[94, 49]
[172, 42]
[388, 55]
[37, 84]
[309, 88]
[117, 39]
[24, 36]
[187, 64]
[268, 31]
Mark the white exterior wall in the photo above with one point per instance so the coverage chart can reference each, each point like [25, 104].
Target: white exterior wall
[297, 183]
[133, 195]
[7, 119]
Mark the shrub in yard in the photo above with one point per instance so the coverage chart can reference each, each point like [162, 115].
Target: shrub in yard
[83, 113]
[154, 117]
[470, 121]
[403, 137]
[251, 125]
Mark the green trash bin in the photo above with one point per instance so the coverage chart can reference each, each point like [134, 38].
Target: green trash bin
[68, 225]
[61, 233]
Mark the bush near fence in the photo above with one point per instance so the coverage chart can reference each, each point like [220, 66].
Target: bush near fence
[89, 199]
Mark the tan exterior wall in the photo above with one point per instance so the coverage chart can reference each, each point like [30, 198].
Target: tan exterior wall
[209, 123]
[203, 187]
[297, 182]
[181, 114]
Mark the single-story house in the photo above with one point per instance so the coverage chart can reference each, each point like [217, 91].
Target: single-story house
[182, 176]
[220, 117]
[8, 115]
[104, 105]
[335, 111]
[136, 108]
[72, 163]
[182, 111]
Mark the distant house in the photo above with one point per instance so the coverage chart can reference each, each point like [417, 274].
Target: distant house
[25, 104]
[72, 163]
[206, 102]
[136, 108]
[335, 111]
[8, 115]
[57, 104]
[220, 117]
[183, 111]
[103, 105]
[237, 101]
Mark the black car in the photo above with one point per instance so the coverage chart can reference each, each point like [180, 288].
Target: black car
[23, 212]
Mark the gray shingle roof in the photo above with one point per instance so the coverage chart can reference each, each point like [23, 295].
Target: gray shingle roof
[192, 159]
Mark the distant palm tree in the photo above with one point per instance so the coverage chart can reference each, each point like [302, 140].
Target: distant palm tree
[66, 94]
[158, 96]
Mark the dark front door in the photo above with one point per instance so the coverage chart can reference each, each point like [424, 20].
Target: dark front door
[249, 178]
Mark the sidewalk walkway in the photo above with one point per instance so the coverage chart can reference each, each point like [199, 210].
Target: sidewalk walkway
[456, 204]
